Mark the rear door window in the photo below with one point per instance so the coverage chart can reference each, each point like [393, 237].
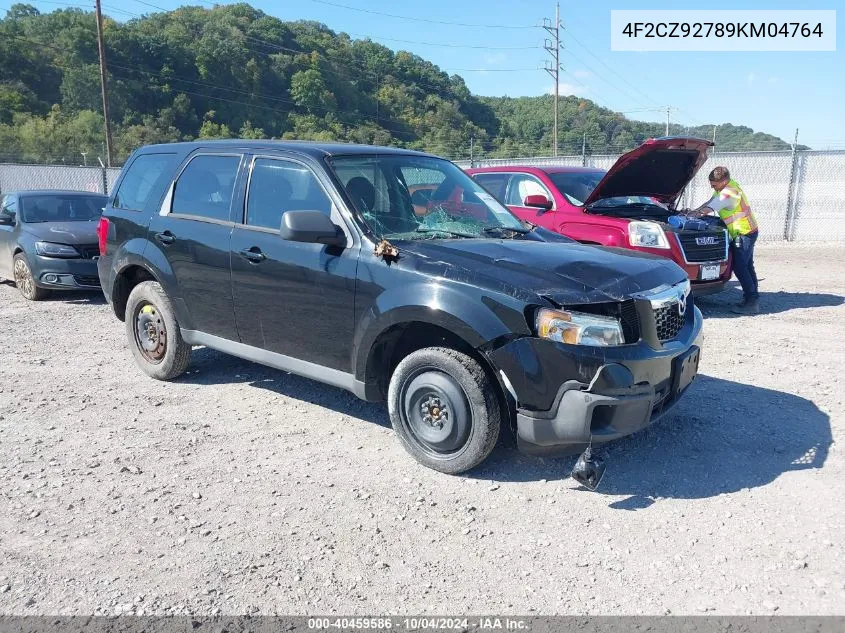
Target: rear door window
[9, 206]
[204, 188]
[522, 186]
[494, 183]
[144, 177]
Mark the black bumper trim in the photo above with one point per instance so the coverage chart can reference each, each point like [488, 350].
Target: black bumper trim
[610, 407]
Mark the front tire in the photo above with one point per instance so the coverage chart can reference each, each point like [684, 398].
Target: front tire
[154, 336]
[24, 280]
[444, 409]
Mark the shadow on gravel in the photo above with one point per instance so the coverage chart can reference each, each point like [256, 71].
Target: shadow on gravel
[87, 297]
[78, 297]
[723, 437]
[719, 306]
[210, 367]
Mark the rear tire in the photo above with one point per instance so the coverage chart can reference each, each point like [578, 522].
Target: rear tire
[25, 281]
[444, 409]
[154, 336]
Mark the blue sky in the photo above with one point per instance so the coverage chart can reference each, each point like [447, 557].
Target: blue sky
[770, 92]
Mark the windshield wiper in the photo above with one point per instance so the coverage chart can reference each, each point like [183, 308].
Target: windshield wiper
[502, 229]
[455, 233]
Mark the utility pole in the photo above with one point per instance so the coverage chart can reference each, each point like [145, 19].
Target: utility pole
[103, 84]
[472, 151]
[584, 150]
[668, 109]
[553, 47]
[789, 224]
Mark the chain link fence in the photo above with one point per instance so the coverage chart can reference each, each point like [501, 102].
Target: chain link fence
[28, 177]
[796, 195]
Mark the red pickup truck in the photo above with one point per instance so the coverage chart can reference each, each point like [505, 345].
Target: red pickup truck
[628, 206]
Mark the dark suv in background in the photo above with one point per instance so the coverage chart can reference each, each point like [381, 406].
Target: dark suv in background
[314, 259]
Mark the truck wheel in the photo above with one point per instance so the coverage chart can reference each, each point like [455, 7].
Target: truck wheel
[25, 281]
[444, 409]
[153, 332]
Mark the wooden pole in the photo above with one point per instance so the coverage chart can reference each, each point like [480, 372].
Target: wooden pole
[103, 82]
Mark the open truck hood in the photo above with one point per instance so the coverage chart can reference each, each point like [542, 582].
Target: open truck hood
[660, 168]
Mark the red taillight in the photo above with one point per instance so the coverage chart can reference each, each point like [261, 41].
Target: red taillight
[102, 234]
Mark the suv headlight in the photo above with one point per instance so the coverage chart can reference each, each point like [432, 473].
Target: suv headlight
[648, 234]
[51, 249]
[577, 328]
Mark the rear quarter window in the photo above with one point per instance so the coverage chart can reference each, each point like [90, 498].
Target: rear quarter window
[144, 178]
[494, 183]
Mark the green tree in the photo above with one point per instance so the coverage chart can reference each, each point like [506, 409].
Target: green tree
[214, 72]
[210, 129]
[309, 91]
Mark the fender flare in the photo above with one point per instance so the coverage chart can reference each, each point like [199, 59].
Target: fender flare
[476, 321]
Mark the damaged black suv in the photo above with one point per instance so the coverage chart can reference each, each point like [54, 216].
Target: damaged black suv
[392, 274]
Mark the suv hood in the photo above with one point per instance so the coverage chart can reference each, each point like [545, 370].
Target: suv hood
[564, 273]
[659, 168]
[72, 233]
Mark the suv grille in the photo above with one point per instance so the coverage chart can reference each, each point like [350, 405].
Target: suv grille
[669, 321]
[630, 321]
[89, 251]
[704, 246]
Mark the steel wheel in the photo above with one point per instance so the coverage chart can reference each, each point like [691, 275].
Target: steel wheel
[150, 333]
[23, 278]
[436, 412]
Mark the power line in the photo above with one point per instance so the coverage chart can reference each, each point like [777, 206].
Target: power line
[593, 91]
[261, 95]
[101, 51]
[413, 19]
[358, 68]
[152, 6]
[489, 70]
[294, 107]
[354, 67]
[553, 48]
[608, 82]
[447, 89]
[486, 48]
[601, 61]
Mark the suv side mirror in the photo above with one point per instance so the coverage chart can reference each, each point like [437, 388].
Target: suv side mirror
[539, 201]
[6, 219]
[314, 227]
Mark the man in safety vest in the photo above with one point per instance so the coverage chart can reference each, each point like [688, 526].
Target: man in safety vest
[730, 202]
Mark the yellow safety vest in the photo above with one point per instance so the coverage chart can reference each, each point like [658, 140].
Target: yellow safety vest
[739, 219]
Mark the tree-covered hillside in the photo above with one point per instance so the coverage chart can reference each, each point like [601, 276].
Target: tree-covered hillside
[235, 71]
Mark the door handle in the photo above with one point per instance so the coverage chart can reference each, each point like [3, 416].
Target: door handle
[165, 237]
[253, 254]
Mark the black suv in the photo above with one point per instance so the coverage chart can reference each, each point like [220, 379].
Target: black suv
[392, 274]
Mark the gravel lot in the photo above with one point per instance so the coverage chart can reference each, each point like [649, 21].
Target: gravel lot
[240, 489]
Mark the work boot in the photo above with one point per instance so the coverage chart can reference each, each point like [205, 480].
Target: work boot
[747, 307]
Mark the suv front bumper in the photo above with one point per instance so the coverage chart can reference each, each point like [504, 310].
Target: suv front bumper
[570, 395]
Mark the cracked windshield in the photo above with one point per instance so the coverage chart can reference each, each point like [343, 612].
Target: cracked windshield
[412, 198]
